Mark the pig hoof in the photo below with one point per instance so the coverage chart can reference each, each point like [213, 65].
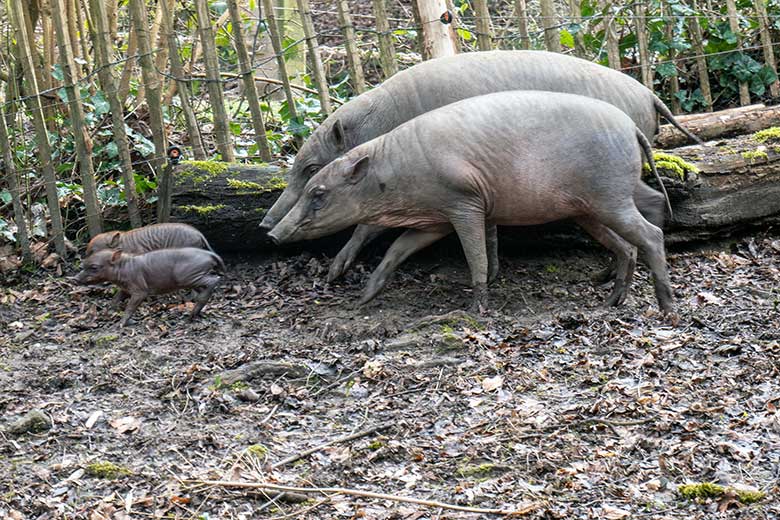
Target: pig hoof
[617, 297]
[672, 318]
[605, 275]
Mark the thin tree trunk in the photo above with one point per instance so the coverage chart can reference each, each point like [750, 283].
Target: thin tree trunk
[22, 236]
[83, 39]
[576, 17]
[314, 55]
[177, 70]
[276, 43]
[674, 82]
[350, 44]
[484, 35]
[151, 81]
[766, 42]
[248, 77]
[744, 89]
[701, 61]
[386, 45]
[81, 137]
[108, 83]
[214, 83]
[438, 39]
[128, 66]
[166, 6]
[613, 45]
[44, 150]
[642, 43]
[552, 37]
[45, 79]
[521, 13]
[71, 18]
[112, 14]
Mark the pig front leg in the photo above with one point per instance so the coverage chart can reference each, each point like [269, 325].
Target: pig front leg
[360, 238]
[120, 296]
[470, 227]
[411, 241]
[132, 305]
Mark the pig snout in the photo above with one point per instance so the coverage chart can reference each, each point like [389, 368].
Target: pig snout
[274, 238]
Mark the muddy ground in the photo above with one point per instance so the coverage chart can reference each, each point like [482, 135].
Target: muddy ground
[550, 405]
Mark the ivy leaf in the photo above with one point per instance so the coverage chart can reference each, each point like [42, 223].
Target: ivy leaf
[567, 40]
[666, 69]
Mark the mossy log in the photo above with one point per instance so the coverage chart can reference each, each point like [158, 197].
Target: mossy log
[728, 186]
[225, 201]
[718, 125]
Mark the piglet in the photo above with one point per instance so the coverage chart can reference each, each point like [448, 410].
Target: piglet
[149, 238]
[155, 272]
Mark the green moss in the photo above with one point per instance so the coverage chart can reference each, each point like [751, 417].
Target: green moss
[257, 450]
[705, 490]
[106, 339]
[201, 210]
[239, 386]
[106, 470]
[667, 164]
[200, 171]
[479, 471]
[376, 445]
[447, 329]
[771, 135]
[275, 183]
[755, 155]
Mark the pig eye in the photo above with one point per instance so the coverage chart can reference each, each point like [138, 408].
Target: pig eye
[318, 198]
[312, 169]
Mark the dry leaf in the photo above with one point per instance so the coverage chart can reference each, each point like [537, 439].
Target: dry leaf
[126, 424]
[492, 383]
[93, 419]
[614, 513]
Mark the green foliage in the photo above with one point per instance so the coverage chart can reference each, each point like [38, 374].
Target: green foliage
[771, 135]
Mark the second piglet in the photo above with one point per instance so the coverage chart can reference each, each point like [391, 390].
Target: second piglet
[149, 238]
[155, 272]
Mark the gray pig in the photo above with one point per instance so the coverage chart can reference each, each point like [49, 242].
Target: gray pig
[523, 158]
[155, 272]
[149, 238]
[435, 83]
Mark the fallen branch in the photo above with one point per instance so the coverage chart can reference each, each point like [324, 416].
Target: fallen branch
[344, 438]
[367, 494]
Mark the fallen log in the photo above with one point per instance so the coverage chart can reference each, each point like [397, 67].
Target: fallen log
[737, 186]
[719, 125]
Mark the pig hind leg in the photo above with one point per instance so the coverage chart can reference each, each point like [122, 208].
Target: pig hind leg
[631, 226]
[204, 291]
[411, 241]
[625, 257]
[491, 240]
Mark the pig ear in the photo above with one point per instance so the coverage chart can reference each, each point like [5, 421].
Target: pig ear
[358, 170]
[115, 256]
[338, 136]
[114, 242]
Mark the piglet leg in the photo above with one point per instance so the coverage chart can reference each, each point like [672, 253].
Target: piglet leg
[119, 298]
[132, 305]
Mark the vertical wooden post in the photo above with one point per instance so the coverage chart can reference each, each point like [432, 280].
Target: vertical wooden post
[576, 17]
[128, 67]
[350, 44]
[81, 137]
[552, 37]
[674, 82]
[484, 34]
[44, 148]
[314, 55]
[521, 13]
[248, 77]
[613, 45]
[276, 43]
[386, 46]
[177, 70]
[102, 43]
[22, 237]
[642, 43]
[438, 39]
[214, 82]
[731, 8]
[766, 43]
[697, 40]
[151, 80]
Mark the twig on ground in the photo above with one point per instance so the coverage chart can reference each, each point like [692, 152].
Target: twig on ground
[344, 438]
[369, 494]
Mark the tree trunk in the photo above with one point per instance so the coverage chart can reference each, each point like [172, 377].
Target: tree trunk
[766, 43]
[613, 43]
[697, 39]
[22, 237]
[108, 83]
[81, 136]
[717, 125]
[552, 37]
[151, 80]
[484, 34]
[521, 13]
[214, 83]
[642, 44]
[386, 45]
[731, 7]
[248, 78]
[438, 39]
[314, 56]
[24, 44]
[177, 70]
[674, 82]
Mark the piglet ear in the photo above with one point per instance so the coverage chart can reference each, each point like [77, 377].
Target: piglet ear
[114, 242]
[339, 136]
[358, 170]
[115, 257]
